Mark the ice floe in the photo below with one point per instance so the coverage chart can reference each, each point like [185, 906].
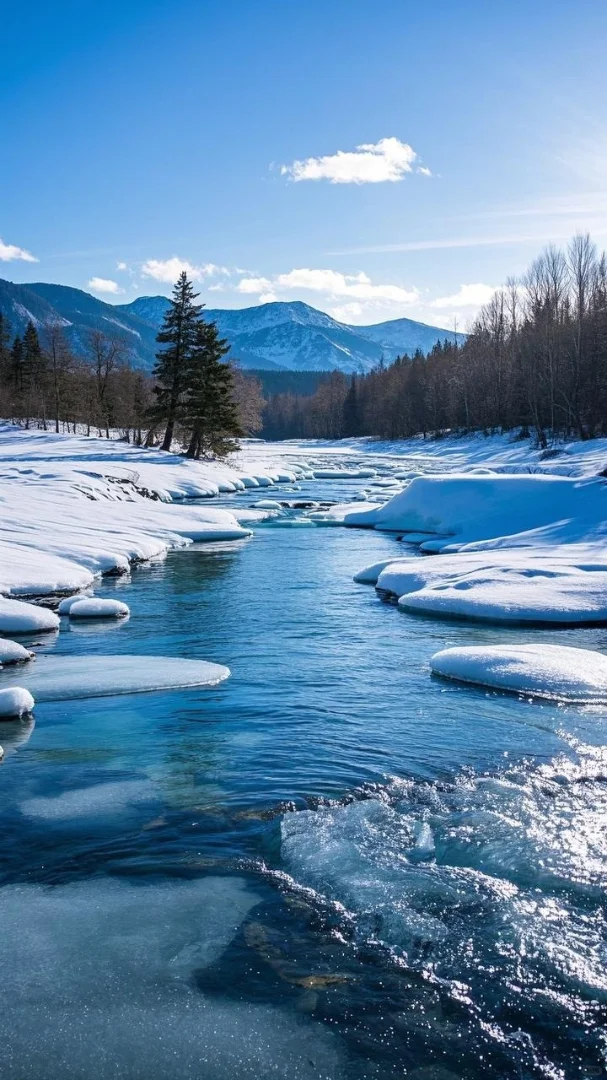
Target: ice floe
[57, 678]
[559, 672]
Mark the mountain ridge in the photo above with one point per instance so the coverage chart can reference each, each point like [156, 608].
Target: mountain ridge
[287, 336]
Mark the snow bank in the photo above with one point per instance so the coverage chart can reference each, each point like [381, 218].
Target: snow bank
[267, 504]
[462, 509]
[21, 574]
[72, 508]
[546, 671]
[95, 608]
[12, 653]
[370, 574]
[15, 701]
[62, 678]
[17, 617]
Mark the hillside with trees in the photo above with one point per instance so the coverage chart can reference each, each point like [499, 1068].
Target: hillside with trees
[193, 398]
[536, 360]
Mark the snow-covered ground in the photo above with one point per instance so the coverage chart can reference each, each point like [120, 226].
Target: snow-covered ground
[521, 532]
[500, 453]
[73, 507]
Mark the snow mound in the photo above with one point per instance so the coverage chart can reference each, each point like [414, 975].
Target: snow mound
[558, 672]
[67, 603]
[15, 702]
[17, 617]
[12, 653]
[63, 678]
[267, 504]
[537, 593]
[95, 608]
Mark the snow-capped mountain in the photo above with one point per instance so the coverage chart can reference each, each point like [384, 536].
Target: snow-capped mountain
[278, 336]
[78, 313]
[297, 337]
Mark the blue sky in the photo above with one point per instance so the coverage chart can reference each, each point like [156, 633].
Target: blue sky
[143, 135]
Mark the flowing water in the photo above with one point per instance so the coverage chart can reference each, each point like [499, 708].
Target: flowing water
[333, 865]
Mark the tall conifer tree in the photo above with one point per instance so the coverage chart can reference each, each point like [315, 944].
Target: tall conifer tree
[210, 410]
[178, 334]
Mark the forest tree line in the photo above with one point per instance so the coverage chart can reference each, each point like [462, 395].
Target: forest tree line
[192, 398]
[535, 360]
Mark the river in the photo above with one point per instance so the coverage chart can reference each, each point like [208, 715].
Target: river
[332, 865]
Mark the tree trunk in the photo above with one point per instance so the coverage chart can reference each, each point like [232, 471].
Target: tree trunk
[168, 435]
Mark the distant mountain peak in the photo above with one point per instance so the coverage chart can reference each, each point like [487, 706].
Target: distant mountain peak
[280, 335]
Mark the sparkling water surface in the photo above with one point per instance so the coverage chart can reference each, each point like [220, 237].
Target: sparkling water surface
[333, 865]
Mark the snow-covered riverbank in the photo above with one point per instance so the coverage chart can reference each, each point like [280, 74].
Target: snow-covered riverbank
[522, 535]
[73, 507]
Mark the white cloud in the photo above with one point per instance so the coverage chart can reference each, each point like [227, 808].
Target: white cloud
[348, 297]
[121, 266]
[104, 285]
[467, 296]
[357, 286]
[10, 252]
[348, 312]
[253, 285]
[423, 170]
[370, 163]
[168, 270]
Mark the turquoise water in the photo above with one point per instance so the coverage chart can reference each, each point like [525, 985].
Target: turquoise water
[331, 865]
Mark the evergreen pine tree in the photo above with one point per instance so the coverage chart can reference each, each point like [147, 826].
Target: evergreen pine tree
[210, 410]
[5, 347]
[32, 372]
[16, 364]
[178, 334]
